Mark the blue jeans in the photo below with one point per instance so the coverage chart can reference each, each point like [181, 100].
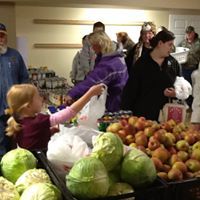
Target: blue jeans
[4, 140]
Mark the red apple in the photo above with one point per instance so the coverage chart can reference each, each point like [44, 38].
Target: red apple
[141, 140]
[182, 145]
[183, 155]
[130, 139]
[161, 153]
[175, 175]
[153, 143]
[132, 120]
[149, 131]
[114, 128]
[189, 137]
[158, 164]
[181, 166]
[193, 165]
[174, 158]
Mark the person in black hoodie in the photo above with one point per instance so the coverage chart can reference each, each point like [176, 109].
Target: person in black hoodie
[151, 80]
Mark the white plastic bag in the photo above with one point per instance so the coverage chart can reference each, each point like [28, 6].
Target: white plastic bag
[64, 149]
[85, 133]
[183, 88]
[93, 110]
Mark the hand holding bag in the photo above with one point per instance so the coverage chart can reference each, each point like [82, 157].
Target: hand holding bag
[93, 110]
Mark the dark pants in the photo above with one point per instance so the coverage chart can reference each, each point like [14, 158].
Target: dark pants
[5, 144]
[187, 75]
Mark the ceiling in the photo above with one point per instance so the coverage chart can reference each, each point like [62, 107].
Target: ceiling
[144, 4]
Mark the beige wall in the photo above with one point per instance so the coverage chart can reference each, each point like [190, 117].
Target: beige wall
[60, 59]
[7, 17]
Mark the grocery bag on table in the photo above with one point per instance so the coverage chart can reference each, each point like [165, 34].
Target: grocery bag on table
[64, 149]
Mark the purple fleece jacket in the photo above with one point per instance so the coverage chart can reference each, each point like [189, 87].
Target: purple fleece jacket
[111, 70]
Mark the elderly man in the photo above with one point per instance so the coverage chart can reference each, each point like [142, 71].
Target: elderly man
[192, 42]
[12, 71]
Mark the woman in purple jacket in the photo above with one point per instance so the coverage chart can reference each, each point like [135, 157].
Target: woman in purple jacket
[110, 69]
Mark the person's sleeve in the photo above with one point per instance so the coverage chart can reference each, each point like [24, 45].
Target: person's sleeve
[62, 116]
[23, 72]
[130, 91]
[129, 58]
[86, 57]
[74, 66]
[194, 54]
[195, 118]
[94, 77]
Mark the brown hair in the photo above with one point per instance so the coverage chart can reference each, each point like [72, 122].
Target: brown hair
[18, 97]
[163, 36]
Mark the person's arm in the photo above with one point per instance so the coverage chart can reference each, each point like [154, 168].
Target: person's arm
[71, 111]
[87, 57]
[194, 54]
[131, 90]
[195, 118]
[23, 72]
[75, 63]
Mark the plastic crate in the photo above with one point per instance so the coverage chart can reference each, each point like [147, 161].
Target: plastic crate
[157, 191]
[45, 164]
[181, 54]
[184, 190]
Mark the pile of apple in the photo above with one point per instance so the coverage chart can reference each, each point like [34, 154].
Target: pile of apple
[174, 148]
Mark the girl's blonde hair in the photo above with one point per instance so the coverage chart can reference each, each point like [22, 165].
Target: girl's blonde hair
[102, 39]
[18, 97]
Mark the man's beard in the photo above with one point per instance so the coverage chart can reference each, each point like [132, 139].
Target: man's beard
[3, 49]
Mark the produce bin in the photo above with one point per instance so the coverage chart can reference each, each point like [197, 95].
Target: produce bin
[184, 190]
[45, 164]
[157, 191]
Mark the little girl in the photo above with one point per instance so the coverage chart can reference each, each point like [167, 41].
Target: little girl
[30, 128]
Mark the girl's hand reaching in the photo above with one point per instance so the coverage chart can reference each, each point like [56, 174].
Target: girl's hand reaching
[96, 89]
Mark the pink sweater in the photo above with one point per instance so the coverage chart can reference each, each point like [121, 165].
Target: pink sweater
[62, 116]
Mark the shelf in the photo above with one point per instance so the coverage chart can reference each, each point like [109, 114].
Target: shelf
[57, 46]
[81, 22]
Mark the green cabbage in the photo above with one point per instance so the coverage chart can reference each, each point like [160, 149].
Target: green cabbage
[88, 179]
[30, 177]
[108, 147]
[137, 169]
[16, 162]
[120, 188]
[8, 190]
[41, 191]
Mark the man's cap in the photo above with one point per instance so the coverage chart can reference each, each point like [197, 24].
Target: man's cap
[189, 29]
[3, 29]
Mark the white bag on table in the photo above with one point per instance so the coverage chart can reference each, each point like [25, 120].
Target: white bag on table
[64, 149]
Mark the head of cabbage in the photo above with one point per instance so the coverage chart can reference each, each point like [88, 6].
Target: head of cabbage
[41, 191]
[137, 169]
[30, 177]
[88, 179]
[8, 190]
[16, 162]
[108, 147]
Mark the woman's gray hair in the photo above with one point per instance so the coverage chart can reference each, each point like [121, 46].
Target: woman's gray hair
[102, 39]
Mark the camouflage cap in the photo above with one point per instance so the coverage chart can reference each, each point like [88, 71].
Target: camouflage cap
[189, 29]
[3, 29]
